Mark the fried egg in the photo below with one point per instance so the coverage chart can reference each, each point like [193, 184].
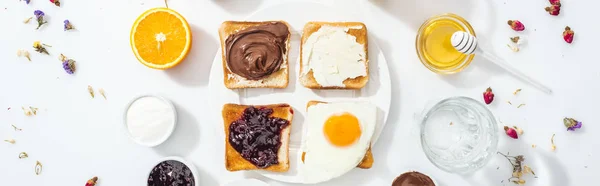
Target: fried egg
[337, 138]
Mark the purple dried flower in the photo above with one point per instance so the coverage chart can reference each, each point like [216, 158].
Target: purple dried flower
[572, 124]
[39, 16]
[69, 66]
[68, 25]
[27, 1]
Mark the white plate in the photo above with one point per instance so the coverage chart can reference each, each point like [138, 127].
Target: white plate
[377, 91]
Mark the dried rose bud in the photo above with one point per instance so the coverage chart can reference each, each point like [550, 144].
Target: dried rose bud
[55, 2]
[488, 96]
[510, 132]
[554, 2]
[91, 182]
[568, 35]
[516, 25]
[553, 10]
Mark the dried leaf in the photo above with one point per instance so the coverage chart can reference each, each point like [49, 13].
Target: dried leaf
[520, 105]
[38, 168]
[552, 141]
[516, 91]
[11, 141]
[27, 20]
[91, 91]
[101, 91]
[23, 155]
[16, 129]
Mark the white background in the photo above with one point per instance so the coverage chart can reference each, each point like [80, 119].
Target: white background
[76, 137]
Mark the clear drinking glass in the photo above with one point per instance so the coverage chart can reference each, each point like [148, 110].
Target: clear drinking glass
[459, 134]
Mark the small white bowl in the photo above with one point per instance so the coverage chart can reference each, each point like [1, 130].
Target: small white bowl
[179, 159]
[411, 170]
[247, 182]
[170, 130]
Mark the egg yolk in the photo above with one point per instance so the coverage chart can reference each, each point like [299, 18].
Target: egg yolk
[342, 129]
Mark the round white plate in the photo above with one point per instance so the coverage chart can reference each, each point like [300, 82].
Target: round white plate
[377, 91]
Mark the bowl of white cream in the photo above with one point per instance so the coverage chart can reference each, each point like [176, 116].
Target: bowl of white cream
[150, 120]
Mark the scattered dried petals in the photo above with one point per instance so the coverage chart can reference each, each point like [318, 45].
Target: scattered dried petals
[488, 96]
[520, 105]
[26, 1]
[568, 35]
[16, 129]
[91, 91]
[92, 182]
[572, 124]
[515, 39]
[101, 91]
[38, 168]
[451, 123]
[33, 109]
[55, 2]
[516, 91]
[510, 132]
[11, 141]
[513, 48]
[519, 130]
[27, 20]
[516, 25]
[553, 9]
[552, 141]
[509, 102]
[533, 145]
[527, 170]
[24, 53]
[23, 155]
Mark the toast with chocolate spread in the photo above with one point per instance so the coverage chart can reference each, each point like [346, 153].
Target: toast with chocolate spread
[257, 137]
[255, 54]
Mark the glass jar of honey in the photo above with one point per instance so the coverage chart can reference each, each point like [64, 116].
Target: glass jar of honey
[433, 44]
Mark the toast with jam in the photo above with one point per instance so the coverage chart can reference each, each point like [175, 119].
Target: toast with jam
[255, 54]
[257, 137]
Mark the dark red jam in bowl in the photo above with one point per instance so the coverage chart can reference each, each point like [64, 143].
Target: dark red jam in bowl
[256, 136]
[171, 173]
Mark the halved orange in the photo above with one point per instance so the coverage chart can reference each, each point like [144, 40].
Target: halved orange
[160, 38]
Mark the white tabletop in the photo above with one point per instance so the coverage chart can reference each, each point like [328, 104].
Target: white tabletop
[76, 137]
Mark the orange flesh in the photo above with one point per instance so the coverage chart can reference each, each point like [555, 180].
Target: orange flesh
[160, 38]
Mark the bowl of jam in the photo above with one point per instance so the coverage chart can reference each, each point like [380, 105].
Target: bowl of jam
[173, 171]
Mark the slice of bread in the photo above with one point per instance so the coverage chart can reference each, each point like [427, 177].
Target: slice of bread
[367, 161]
[306, 75]
[278, 79]
[234, 160]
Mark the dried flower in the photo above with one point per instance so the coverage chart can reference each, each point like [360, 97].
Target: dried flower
[568, 34]
[572, 124]
[30, 111]
[515, 39]
[40, 47]
[92, 182]
[91, 91]
[39, 16]
[27, 20]
[24, 53]
[555, 2]
[101, 91]
[67, 64]
[509, 102]
[552, 142]
[11, 141]
[553, 9]
[517, 164]
[513, 48]
[26, 1]
[23, 155]
[488, 96]
[519, 130]
[16, 129]
[56, 2]
[516, 25]
[510, 132]
[520, 105]
[68, 25]
[533, 145]
[38, 168]
[516, 91]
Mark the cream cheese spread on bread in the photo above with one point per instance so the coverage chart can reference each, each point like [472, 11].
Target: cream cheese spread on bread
[333, 55]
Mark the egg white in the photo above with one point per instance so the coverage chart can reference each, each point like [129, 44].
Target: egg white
[324, 161]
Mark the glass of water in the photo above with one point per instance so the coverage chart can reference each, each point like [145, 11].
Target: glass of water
[459, 134]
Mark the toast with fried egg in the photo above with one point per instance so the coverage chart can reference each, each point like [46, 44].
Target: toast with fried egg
[309, 79]
[367, 161]
[234, 160]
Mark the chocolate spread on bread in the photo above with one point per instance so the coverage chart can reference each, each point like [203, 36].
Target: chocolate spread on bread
[258, 51]
[413, 179]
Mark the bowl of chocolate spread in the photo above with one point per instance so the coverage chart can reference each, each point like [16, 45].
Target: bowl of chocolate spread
[413, 178]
